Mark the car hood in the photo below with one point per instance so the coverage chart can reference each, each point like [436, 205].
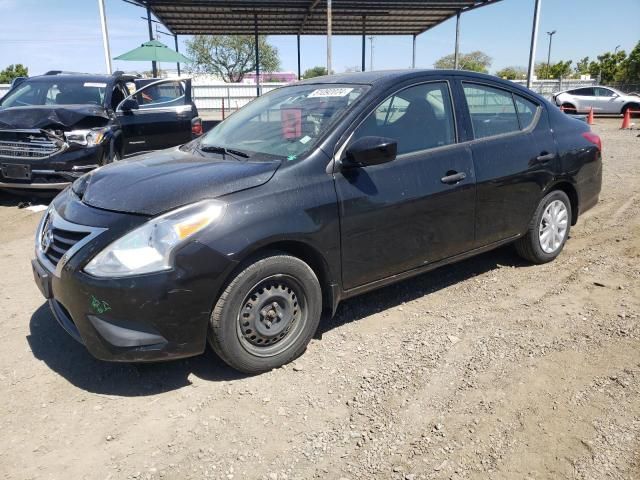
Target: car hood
[156, 182]
[52, 117]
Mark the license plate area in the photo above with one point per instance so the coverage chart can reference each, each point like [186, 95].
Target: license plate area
[16, 172]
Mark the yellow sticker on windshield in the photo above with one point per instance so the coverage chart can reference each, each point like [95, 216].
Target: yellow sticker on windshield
[330, 92]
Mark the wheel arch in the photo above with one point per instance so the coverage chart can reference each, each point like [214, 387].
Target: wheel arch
[305, 252]
[629, 104]
[570, 189]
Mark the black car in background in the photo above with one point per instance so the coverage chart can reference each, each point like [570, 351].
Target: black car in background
[310, 194]
[58, 126]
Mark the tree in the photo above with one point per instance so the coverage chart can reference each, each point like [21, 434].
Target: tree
[555, 70]
[609, 67]
[314, 72]
[582, 66]
[512, 73]
[230, 57]
[630, 71]
[13, 71]
[475, 61]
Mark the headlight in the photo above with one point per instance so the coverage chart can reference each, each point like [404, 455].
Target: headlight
[148, 248]
[86, 138]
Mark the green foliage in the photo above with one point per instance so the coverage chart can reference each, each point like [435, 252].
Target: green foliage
[555, 70]
[475, 61]
[630, 68]
[13, 71]
[230, 57]
[582, 66]
[512, 73]
[314, 72]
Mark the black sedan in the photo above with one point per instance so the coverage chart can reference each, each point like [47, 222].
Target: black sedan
[311, 194]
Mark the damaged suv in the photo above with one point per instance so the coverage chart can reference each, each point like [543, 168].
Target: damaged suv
[56, 127]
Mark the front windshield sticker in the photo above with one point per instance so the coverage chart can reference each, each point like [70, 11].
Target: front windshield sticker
[95, 84]
[305, 139]
[291, 158]
[330, 92]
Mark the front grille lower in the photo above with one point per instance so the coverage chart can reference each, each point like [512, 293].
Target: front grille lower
[61, 242]
[29, 148]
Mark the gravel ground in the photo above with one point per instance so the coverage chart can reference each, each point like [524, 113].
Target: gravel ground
[489, 368]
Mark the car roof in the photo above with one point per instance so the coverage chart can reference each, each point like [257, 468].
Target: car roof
[81, 77]
[383, 78]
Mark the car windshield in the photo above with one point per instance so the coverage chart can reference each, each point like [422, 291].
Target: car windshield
[58, 91]
[286, 122]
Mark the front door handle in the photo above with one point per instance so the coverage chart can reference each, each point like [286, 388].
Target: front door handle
[545, 157]
[453, 177]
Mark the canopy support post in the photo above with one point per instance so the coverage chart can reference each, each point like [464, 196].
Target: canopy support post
[154, 66]
[328, 37]
[255, 32]
[105, 37]
[534, 38]
[364, 45]
[299, 71]
[413, 56]
[175, 39]
[456, 55]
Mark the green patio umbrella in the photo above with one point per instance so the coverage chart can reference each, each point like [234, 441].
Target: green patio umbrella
[153, 51]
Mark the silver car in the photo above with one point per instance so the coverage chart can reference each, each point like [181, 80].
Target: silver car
[601, 99]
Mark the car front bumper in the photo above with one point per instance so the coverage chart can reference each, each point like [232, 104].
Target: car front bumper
[152, 317]
[55, 172]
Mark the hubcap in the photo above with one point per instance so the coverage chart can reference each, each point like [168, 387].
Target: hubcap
[271, 316]
[553, 226]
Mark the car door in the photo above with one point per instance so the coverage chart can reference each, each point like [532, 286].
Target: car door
[156, 116]
[514, 156]
[416, 209]
[584, 98]
[606, 101]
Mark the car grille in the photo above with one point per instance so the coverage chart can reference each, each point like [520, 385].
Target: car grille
[62, 241]
[29, 147]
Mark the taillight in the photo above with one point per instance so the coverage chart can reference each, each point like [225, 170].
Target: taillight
[196, 127]
[593, 138]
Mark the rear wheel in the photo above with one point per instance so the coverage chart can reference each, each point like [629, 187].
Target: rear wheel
[267, 314]
[548, 230]
[633, 107]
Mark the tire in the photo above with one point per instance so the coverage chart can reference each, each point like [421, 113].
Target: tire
[532, 246]
[267, 314]
[113, 155]
[569, 107]
[634, 107]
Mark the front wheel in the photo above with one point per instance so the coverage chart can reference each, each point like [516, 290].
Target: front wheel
[267, 314]
[548, 230]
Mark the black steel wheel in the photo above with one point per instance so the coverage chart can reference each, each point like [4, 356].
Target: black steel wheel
[272, 315]
[267, 314]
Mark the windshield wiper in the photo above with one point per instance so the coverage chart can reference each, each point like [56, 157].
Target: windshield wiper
[223, 150]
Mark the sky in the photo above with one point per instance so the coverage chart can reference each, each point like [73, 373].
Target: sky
[66, 35]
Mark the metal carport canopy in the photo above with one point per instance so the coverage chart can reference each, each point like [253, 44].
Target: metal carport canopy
[306, 17]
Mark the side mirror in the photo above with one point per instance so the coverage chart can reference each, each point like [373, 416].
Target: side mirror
[129, 104]
[368, 151]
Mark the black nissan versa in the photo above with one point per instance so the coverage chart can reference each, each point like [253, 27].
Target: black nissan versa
[58, 126]
[310, 194]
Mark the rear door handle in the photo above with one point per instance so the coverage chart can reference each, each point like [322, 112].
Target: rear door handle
[454, 178]
[545, 157]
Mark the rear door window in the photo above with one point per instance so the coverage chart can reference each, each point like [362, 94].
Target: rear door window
[526, 111]
[492, 110]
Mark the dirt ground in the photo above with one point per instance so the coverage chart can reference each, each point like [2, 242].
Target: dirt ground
[490, 368]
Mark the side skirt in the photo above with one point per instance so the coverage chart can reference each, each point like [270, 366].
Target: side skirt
[383, 282]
